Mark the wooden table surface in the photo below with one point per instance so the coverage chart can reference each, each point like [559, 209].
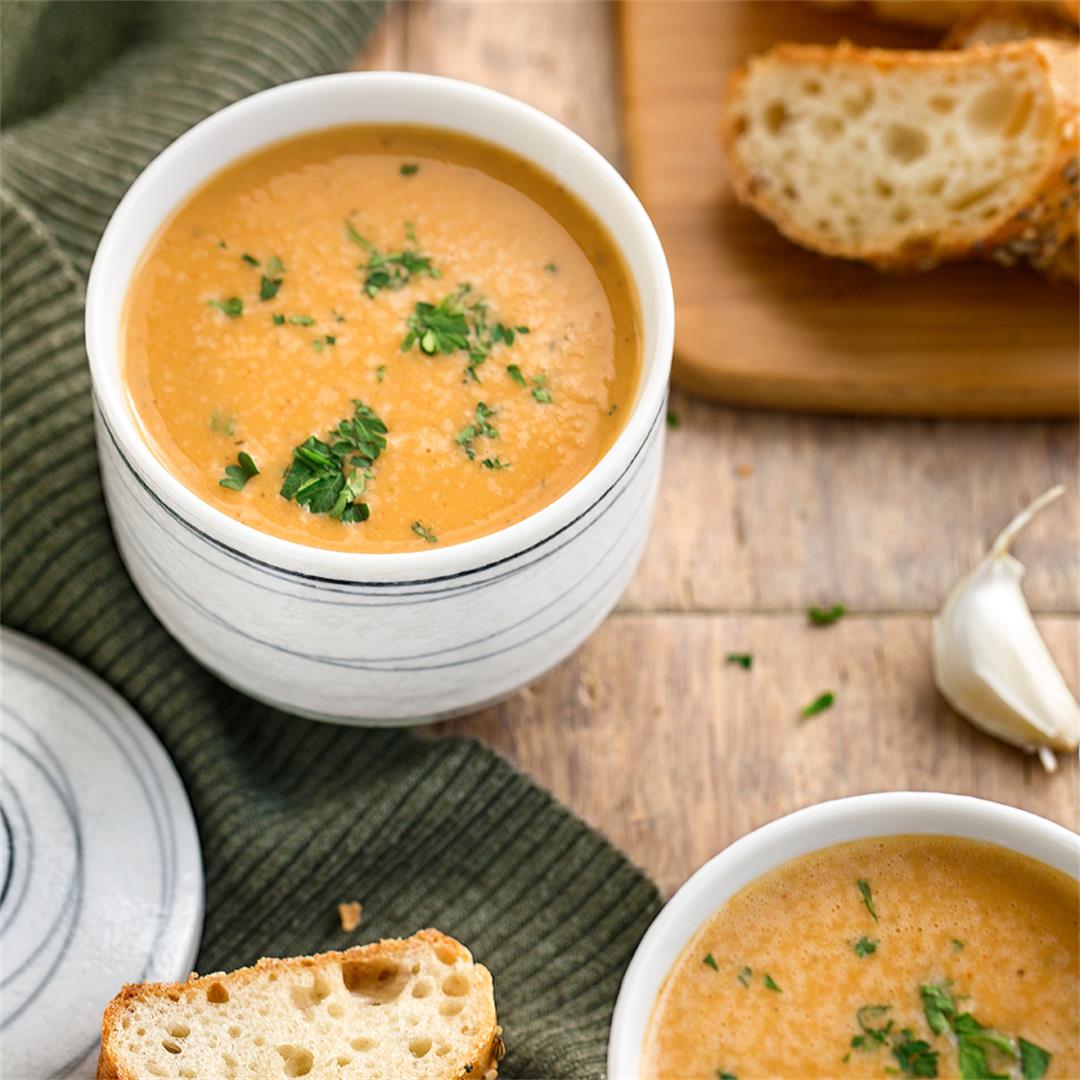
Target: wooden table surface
[647, 732]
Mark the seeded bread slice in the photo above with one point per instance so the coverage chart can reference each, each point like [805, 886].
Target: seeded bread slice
[908, 158]
[415, 1008]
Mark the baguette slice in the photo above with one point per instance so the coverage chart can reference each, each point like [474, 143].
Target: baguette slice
[905, 159]
[997, 23]
[941, 14]
[416, 1008]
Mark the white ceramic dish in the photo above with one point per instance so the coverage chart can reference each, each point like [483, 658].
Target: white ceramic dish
[100, 870]
[385, 639]
[816, 827]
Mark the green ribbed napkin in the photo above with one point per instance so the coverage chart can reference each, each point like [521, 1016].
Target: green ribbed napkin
[294, 816]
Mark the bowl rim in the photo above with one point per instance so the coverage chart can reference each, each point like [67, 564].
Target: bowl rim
[813, 828]
[373, 569]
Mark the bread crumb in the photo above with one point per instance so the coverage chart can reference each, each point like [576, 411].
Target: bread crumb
[349, 914]
[744, 470]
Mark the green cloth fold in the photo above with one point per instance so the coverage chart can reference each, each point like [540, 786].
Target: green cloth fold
[294, 816]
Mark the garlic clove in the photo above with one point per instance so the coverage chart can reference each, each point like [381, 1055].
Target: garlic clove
[990, 662]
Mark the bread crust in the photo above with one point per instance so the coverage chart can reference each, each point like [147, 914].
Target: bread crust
[1033, 230]
[488, 1046]
[1000, 22]
[941, 14]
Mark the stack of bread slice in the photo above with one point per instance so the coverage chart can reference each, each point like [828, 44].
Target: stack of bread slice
[906, 159]
[416, 1008]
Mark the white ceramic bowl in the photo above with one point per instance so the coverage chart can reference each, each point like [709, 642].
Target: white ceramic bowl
[379, 639]
[856, 818]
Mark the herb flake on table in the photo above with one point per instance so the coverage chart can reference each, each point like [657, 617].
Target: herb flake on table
[409, 168]
[236, 476]
[233, 307]
[819, 704]
[743, 659]
[867, 897]
[424, 532]
[770, 984]
[329, 476]
[710, 961]
[391, 270]
[480, 428]
[865, 947]
[826, 616]
[673, 420]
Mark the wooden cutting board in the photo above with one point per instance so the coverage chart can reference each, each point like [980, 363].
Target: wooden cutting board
[762, 322]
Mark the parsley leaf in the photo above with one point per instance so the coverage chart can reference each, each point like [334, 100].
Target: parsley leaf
[938, 1005]
[673, 420]
[222, 424]
[710, 961]
[329, 477]
[551, 268]
[233, 307]
[744, 976]
[871, 1036]
[743, 659]
[819, 704]
[865, 947]
[868, 899]
[1034, 1060]
[495, 463]
[515, 373]
[424, 532]
[770, 984]
[480, 428]
[409, 169]
[826, 616]
[326, 339]
[271, 280]
[250, 259]
[391, 270]
[236, 476]
[914, 1055]
[540, 391]
[721, 1075]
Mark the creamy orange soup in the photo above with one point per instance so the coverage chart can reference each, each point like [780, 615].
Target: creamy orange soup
[900, 956]
[470, 322]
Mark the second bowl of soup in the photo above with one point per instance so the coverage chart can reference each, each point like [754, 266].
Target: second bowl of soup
[891, 935]
[380, 395]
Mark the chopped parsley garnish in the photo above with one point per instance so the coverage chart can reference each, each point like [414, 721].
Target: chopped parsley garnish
[825, 616]
[336, 315]
[865, 947]
[424, 532]
[515, 373]
[540, 392]
[221, 424]
[551, 268]
[868, 899]
[1034, 1060]
[819, 704]
[673, 420]
[271, 279]
[458, 322]
[743, 659]
[233, 307]
[319, 343]
[391, 270]
[871, 1036]
[480, 428]
[329, 477]
[744, 976]
[409, 169]
[250, 259]
[938, 1005]
[495, 463]
[301, 320]
[380, 373]
[710, 961]
[914, 1055]
[236, 476]
[770, 984]
[721, 1075]
[957, 944]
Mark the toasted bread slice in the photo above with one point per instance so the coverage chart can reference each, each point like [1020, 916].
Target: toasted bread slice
[994, 24]
[907, 158]
[941, 14]
[417, 1008]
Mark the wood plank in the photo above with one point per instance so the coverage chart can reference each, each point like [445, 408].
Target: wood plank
[883, 515]
[761, 321]
[673, 753]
